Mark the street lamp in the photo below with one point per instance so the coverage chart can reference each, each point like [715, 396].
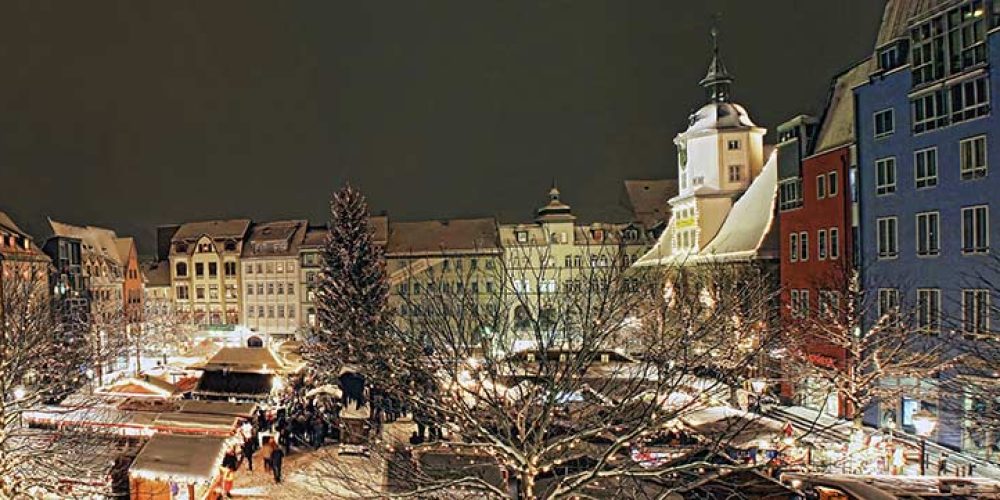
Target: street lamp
[924, 422]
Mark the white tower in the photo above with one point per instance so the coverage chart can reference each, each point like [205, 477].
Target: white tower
[719, 155]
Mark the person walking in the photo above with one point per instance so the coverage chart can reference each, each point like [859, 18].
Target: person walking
[276, 458]
[249, 447]
[267, 449]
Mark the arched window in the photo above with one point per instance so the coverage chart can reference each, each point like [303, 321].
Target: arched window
[181, 269]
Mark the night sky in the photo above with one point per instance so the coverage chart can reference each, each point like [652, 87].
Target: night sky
[131, 114]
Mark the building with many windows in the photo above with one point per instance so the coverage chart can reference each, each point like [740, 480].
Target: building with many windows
[67, 279]
[205, 270]
[816, 212]
[927, 157]
[270, 267]
[555, 255]
[111, 270]
[19, 256]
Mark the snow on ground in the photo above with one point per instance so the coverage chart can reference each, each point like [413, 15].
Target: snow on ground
[322, 473]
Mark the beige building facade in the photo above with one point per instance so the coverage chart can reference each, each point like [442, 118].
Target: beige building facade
[271, 277]
[205, 271]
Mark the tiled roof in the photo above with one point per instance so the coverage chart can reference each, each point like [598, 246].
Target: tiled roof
[157, 273]
[837, 128]
[8, 225]
[443, 236]
[648, 199]
[275, 238]
[95, 240]
[315, 237]
[233, 228]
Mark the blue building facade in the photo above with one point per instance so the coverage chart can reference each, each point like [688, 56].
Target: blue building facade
[929, 190]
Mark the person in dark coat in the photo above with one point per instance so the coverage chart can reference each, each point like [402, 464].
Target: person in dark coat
[249, 447]
[276, 458]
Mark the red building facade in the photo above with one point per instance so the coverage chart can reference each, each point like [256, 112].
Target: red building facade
[816, 211]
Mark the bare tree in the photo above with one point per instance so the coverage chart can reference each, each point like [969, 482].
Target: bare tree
[887, 348]
[536, 380]
[42, 358]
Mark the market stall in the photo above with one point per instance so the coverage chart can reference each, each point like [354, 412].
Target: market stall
[172, 467]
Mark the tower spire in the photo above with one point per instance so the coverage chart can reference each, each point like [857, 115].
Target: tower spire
[717, 81]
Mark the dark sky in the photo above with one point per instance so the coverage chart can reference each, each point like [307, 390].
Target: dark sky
[136, 113]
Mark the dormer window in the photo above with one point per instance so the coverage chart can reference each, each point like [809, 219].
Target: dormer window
[230, 246]
[631, 234]
[181, 248]
[598, 234]
[521, 236]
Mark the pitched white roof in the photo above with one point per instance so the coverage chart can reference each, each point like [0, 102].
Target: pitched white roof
[743, 235]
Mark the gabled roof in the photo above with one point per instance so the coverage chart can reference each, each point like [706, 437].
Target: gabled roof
[94, 240]
[7, 225]
[837, 128]
[648, 200]
[124, 247]
[746, 234]
[218, 229]
[443, 236]
[246, 359]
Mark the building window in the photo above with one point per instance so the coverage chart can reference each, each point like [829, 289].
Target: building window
[213, 292]
[181, 269]
[213, 269]
[735, 173]
[790, 194]
[230, 291]
[820, 187]
[887, 238]
[928, 231]
[885, 123]
[829, 302]
[199, 269]
[925, 170]
[289, 289]
[230, 246]
[834, 243]
[182, 292]
[547, 286]
[800, 303]
[260, 289]
[522, 236]
[249, 269]
[821, 243]
[975, 312]
[885, 176]
[260, 311]
[832, 185]
[972, 155]
[270, 311]
[930, 111]
[230, 269]
[281, 311]
[929, 309]
[250, 311]
[888, 58]
[291, 312]
[927, 47]
[803, 246]
[733, 144]
[888, 304]
[249, 289]
[199, 293]
[975, 230]
[969, 100]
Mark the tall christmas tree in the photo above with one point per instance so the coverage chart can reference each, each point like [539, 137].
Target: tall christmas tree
[352, 293]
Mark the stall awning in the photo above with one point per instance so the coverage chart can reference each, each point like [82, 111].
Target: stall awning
[234, 384]
[182, 459]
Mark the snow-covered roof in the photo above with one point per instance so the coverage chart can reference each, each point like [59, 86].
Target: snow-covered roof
[182, 459]
[720, 115]
[743, 236]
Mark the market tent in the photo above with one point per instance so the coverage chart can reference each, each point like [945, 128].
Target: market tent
[192, 461]
[243, 410]
[225, 383]
[141, 386]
